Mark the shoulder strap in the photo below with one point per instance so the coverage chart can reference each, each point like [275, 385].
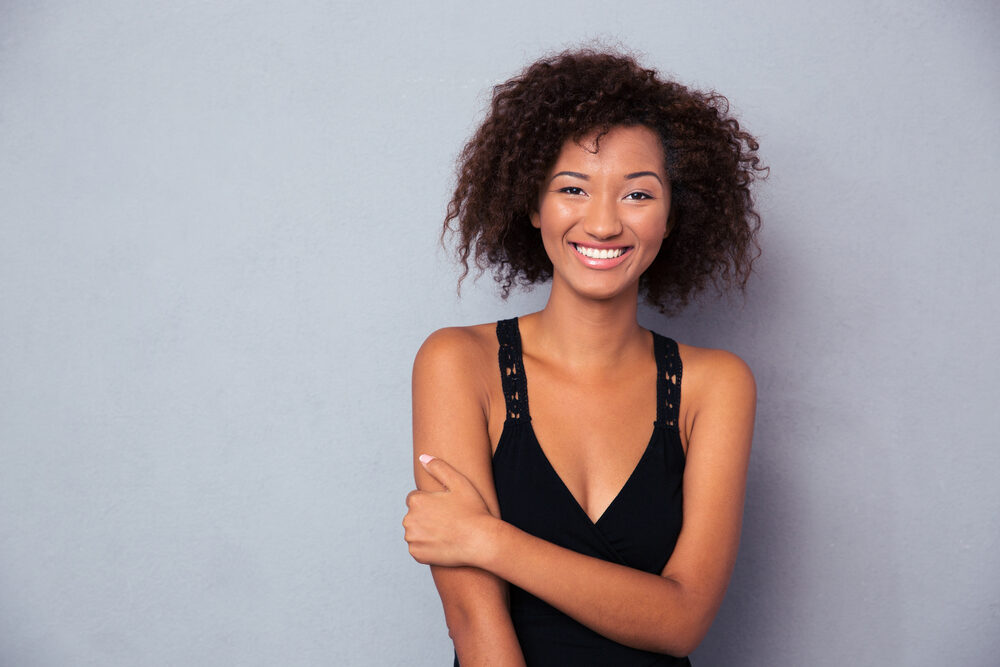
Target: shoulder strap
[515, 387]
[668, 380]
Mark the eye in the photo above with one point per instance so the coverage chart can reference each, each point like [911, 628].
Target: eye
[571, 190]
[637, 196]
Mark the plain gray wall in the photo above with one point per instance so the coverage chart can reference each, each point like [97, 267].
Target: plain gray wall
[218, 256]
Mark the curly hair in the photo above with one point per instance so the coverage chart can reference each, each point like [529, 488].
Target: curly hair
[710, 162]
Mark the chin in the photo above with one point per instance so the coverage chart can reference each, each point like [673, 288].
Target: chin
[602, 293]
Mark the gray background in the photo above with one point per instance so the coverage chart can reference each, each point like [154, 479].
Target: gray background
[218, 255]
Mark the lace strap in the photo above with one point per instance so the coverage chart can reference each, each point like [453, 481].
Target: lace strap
[668, 380]
[515, 387]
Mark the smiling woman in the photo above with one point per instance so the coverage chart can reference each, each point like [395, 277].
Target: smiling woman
[565, 532]
[605, 207]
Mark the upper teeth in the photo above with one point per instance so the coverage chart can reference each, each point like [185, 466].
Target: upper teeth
[603, 253]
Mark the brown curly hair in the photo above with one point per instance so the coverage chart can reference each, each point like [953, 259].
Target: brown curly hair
[710, 162]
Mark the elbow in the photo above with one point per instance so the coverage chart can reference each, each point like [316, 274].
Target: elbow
[681, 635]
[687, 645]
[681, 642]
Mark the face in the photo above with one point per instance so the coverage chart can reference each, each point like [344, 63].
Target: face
[603, 215]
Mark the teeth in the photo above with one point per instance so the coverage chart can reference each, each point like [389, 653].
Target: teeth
[603, 253]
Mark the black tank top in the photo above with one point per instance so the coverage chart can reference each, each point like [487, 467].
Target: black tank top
[639, 528]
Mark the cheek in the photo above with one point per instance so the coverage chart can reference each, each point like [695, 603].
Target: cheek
[649, 224]
[557, 212]
[547, 234]
[652, 231]
[554, 219]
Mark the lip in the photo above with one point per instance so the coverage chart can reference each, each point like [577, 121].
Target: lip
[593, 263]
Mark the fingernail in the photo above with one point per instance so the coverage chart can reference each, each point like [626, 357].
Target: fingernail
[426, 458]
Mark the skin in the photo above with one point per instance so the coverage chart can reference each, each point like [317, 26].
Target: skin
[591, 375]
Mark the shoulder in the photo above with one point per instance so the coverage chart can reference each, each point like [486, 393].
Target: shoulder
[456, 345]
[718, 406]
[711, 375]
[457, 355]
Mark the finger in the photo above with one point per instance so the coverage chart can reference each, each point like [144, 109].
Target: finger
[410, 495]
[441, 470]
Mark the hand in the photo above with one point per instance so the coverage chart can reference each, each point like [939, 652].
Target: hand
[449, 527]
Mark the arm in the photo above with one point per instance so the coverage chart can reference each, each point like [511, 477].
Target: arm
[449, 420]
[667, 613]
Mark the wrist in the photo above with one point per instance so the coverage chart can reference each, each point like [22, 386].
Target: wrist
[488, 542]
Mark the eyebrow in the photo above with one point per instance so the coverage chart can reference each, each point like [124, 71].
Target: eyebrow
[643, 173]
[574, 174]
[628, 177]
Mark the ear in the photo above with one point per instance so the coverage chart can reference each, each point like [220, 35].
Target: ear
[671, 223]
[536, 219]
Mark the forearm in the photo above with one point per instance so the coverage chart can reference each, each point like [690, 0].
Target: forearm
[635, 608]
[478, 617]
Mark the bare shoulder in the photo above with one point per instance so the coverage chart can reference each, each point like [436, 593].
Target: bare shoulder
[460, 352]
[712, 370]
[715, 382]
[457, 360]
[451, 405]
[456, 344]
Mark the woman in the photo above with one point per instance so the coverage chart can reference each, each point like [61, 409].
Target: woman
[562, 532]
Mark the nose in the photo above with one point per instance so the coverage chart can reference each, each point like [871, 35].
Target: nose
[602, 221]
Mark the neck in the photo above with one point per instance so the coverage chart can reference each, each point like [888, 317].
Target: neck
[581, 332]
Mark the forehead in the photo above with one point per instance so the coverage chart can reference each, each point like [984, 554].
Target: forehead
[618, 148]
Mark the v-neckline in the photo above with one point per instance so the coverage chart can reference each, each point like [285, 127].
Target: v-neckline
[545, 457]
[621, 491]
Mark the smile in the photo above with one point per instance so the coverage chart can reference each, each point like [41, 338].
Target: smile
[600, 253]
[601, 258]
